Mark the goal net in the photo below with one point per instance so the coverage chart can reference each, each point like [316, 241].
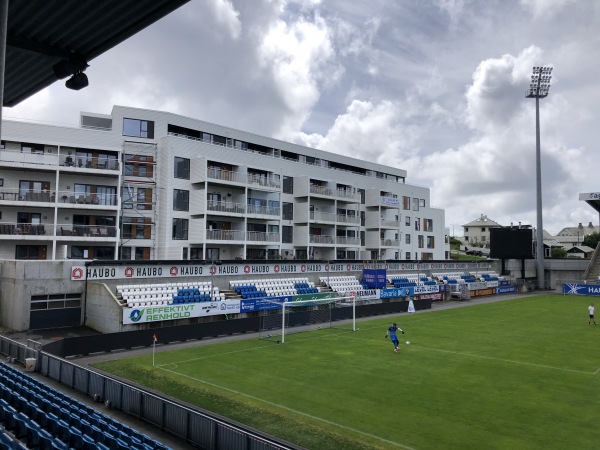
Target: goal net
[305, 315]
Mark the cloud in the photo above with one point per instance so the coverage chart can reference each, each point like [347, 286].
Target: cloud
[298, 55]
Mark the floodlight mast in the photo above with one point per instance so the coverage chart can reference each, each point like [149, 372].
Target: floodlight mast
[540, 85]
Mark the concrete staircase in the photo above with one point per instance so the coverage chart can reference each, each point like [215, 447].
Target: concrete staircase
[593, 270]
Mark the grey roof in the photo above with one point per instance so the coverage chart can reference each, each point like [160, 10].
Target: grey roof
[580, 249]
[41, 33]
[482, 221]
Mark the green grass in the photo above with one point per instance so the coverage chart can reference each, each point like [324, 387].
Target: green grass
[515, 374]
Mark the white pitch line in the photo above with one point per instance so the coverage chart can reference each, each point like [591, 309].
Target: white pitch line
[543, 366]
[597, 371]
[233, 391]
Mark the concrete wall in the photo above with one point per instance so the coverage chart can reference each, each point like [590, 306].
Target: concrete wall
[20, 280]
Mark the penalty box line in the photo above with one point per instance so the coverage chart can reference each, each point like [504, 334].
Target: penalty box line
[287, 408]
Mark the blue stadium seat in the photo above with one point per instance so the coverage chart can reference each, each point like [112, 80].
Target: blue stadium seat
[88, 443]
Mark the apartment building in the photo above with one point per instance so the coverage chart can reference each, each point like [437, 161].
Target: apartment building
[142, 184]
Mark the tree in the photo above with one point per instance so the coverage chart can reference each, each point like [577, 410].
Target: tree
[558, 252]
[455, 241]
[591, 240]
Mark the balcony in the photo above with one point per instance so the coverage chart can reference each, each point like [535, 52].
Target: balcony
[88, 231]
[101, 199]
[22, 229]
[322, 239]
[264, 210]
[390, 223]
[26, 230]
[226, 207]
[225, 235]
[23, 195]
[260, 236]
[264, 181]
[89, 162]
[321, 190]
[389, 243]
[345, 240]
[351, 220]
[226, 175]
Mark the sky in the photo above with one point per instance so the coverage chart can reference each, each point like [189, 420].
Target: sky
[436, 87]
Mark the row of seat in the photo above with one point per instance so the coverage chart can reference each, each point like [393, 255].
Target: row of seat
[43, 417]
[342, 284]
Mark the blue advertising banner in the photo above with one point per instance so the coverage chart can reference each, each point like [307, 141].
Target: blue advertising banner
[374, 278]
[506, 289]
[581, 289]
[396, 293]
[261, 304]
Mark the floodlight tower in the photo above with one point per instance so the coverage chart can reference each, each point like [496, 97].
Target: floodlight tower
[540, 85]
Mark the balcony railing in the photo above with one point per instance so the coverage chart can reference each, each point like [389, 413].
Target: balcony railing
[264, 210]
[263, 180]
[321, 239]
[88, 199]
[39, 229]
[24, 195]
[226, 207]
[390, 242]
[89, 162]
[390, 223]
[347, 193]
[348, 219]
[321, 190]
[22, 229]
[323, 216]
[226, 175]
[225, 235]
[98, 231]
[260, 236]
[345, 240]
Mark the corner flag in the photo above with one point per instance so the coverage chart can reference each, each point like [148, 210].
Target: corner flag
[155, 338]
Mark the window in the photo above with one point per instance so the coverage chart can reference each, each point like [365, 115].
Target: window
[406, 202]
[427, 224]
[180, 229]
[288, 185]
[181, 200]
[184, 253]
[138, 128]
[182, 168]
[482, 229]
[407, 255]
[417, 224]
[137, 228]
[422, 202]
[421, 241]
[80, 252]
[36, 149]
[288, 211]
[138, 165]
[407, 238]
[415, 204]
[142, 253]
[30, 252]
[195, 253]
[287, 235]
[1, 181]
[126, 253]
[430, 242]
[407, 221]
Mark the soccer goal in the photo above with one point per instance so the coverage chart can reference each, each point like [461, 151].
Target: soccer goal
[306, 315]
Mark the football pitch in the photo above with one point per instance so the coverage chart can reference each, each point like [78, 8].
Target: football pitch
[514, 374]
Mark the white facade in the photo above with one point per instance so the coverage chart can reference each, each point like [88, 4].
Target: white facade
[187, 189]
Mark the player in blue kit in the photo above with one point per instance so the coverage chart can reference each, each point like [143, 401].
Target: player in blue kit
[391, 332]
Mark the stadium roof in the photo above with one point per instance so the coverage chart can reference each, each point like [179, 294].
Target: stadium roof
[592, 199]
[42, 33]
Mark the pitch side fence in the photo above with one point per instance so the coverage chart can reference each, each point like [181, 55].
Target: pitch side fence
[196, 427]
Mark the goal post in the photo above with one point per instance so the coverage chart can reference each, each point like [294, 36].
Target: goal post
[305, 315]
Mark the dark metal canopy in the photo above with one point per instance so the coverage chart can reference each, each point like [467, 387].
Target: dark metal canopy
[42, 33]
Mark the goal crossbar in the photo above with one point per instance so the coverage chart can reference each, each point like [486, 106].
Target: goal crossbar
[316, 312]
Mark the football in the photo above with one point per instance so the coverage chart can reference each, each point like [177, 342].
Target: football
[407, 343]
